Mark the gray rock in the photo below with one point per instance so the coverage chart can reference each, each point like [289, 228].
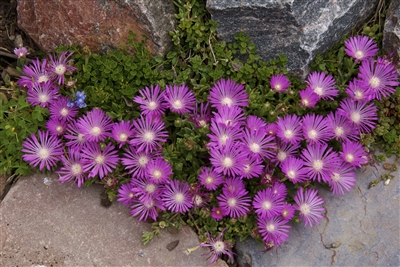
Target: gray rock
[297, 28]
[51, 224]
[361, 228]
[391, 32]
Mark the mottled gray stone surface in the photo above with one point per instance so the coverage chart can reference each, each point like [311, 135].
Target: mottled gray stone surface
[365, 223]
[297, 28]
[391, 33]
[62, 225]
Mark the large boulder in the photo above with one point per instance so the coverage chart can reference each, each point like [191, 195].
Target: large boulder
[297, 28]
[391, 33]
[99, 24]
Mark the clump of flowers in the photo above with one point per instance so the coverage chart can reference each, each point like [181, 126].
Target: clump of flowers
[251, 169]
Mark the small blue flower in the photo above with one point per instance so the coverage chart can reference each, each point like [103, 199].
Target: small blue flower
[80, 94]
[71, 103]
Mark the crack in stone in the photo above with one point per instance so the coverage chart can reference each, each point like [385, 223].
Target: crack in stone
[322, 239]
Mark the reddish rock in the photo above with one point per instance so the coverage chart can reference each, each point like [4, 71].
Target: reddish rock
[99, 24]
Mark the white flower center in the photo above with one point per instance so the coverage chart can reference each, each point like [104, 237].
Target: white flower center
[219, 246]
[64, 112]
[312, 134]
[227, 101]
[358, 95]
[227, 162]
[43, 98]
[198, 200]
[355, 117]
[335, 176]
[359, 54]
[305, 102]
[246, 168]
[123, 137]
[270, 227]
[157, 174]
[150, 188]
[266, 205]
[96, 131]
[76, 169]
[223, 139]
[305, 209]
[255, 148]
[43, 153]
[143, 160]
[177, 104]
[319, 90]
[374, 82]
[59, 129]
[60, 69]
[148, 137]
[43, 79]
[209, 180]
[202, 123]
[291, 174]
[339, 131]
[281, 156]
[349, 158]
[288, 134]
[99, 159]
[179, 198]
[152, 105]
[80, 137]
[232, 202]
[278, 87]
[318, 165]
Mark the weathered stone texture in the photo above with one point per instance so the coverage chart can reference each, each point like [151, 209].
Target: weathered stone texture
[297, 28]
[391, 33]
[99, 24]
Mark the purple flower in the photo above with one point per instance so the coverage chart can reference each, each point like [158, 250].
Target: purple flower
[180, 99]
[199, 197]
[287, 211]
[310, 206]
[279, 189]
[379, 78]
[294, 170]
[285, 150]
[233, 185]
[228, 93]
[230, 116]
[279, 83]
[97, 161]
[72, 168]
[259, 144]
[56, 126]
[136, 162]
[360, 47]
[45, 151]
[322, 84]
[75, 136]
[318, 161]
[342, 177]
[42, 94]
[252, 167]
[125, 194]
[122, 131]
[201, 116]
[61, 65]
[35, 72]
[220, 134]
[177, 197]
[146, 208]
[217, 213]
[271, 129]
[151, 101]
[315, 128]
[267, 204]
[289, 129]
[341, 128]
[234, 204]
[308, 98]
[353, 153]
[159, 170]
[273, 229]
[217, 248]
[358, 92]
[210, 178]
[150, 133]
[59, 109]
[95, 125]
[228, 159]
[362, 115]
[254, 123]
[21, 52]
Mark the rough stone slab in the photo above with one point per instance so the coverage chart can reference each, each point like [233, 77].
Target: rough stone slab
[391, 33]
[365, 222]
[297, 28]
[100, 25]
[62, 225]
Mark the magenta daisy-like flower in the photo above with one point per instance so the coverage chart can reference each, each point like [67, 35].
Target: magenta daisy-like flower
[254, 123]
[233, 185]
[95, 125]
[125, 194]
[144, 188]
[201, 116]
[230, 116]
[310, 206]
[315, 128]
[353, 153]
[228, 93]
[273, 229]
[217, 213]
[379, 78]
[341, 128]
[235, 204]
[72, 168]
[294, 170]
[322, 84]
[308, 98]
[287, 211]
[252, 167]
[122, 131]
[271, 129]
[284, 150]
[21, 52]
[151, 101]
[267, 204]
[56, 127]
[279, 83]
[360, 47]
[60, 65]
[97, 161]
[60, 110]
[136, 162]
[199, 197]
[210, 178]
[177, 197]
[159, 170]
[228, 159]
[35, 72]
[217, 247]
[42, 94]
[358, 92]
[342, 177]
[146, 208]
[259, 144]
[220, 134]
[289, 129]
[45, 151]
[150, 133]
[279, 189]
[75, 136]
[179, 99]
[360, 114]
[318, 161]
